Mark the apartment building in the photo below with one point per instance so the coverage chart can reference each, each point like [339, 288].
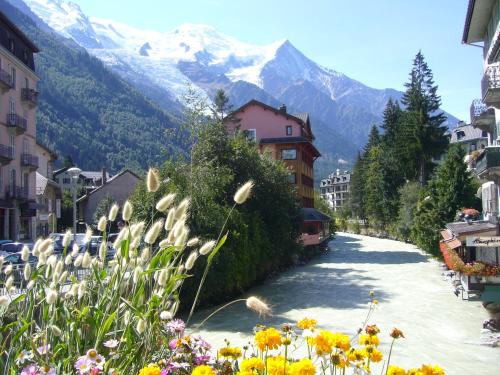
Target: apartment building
[335, 189]
[286, 137]
[18, 162]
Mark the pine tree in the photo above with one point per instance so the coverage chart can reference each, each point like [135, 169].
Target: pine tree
[424, 132]
[375, 193]
[373, 140]
[392, 121]
[451, 189]
[357, 189]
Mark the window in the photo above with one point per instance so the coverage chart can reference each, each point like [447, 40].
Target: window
[289, 154]
[25, 55]
[13, 74]
[66, 180]
[473, 147]
[484, 134]
[27, 83]
[250, 134]
[12, 45]
[12, 141]
[12, 106]
[289, 130]
[460, 135]
[292, 178]
[25, 115]
[26, 146]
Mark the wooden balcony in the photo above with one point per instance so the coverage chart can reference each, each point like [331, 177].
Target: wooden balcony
[16, 192]
[6, 154]
[481, 116]
[29, 97]
[29, 161]
[16, 122]
[5, 81]
[490, 86]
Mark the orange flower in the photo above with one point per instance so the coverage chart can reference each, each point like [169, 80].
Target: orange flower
[302, 367]
[307, 323]
[396, 333]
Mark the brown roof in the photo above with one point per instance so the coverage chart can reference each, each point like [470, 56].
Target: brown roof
[269, 108]
[21, 35]
[463, 228]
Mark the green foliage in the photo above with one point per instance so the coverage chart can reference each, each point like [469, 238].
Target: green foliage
[102, 209]
[375, 194]
[321, 205]
[88, 112]
[262, 232]
[357, 187]
[409, 195]
[451, 189]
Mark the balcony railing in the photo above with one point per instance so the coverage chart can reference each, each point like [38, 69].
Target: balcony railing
[5, 80]
[481, 116]
[28, 160]
[20, 124]
[6, 154]
[490, 86]
[29, 96]
[16, 192]
[488, 160]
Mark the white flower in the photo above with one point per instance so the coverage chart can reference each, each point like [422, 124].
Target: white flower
[51, 296]
[127, 211]
[56, 331]
[191, 259]
[182, 208]
[88, 235]
[113, 211]
[103, 249]
[243, 192]
[75, 250]
[257, 305]
[2, 259]
[4, 301]
[63, 277]
[25, 253]
[79, 260]
[153, 232]
[146, 253]
[164, 243]
[45, 244]
[137, 274]
[166, 315]
[163, 277]
[67, 238]
[59, 267]
[193, 241]
[36, 247]
[164, 203]
[81, 290]
[170, 219]
[87, 259]
[137, 228]
[207, 247]
[42, 259]
[27, 271]
[179, 227]
[51, 261]
[152, 180]
[180, 241]
[101, 225]
[30, 285]
[9, 282]
[8, 270]
[50, 250]
[68, 260]
[141, 326]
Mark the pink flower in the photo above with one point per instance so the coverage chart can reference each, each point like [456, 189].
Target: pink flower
[29, 370]
[111, 343]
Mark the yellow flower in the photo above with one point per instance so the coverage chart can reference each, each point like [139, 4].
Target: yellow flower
[355, 355]
[325, 341]
[431, 370]
[269, 338]
[252, 364]
[414, 371]
[372, 329]
[342, 342]
[395, 370]
[374, 355]
[302, 367]
[229, 352]
[307, 323]
[203, 370]
[369, 340]
[276, 365]
[150, 370]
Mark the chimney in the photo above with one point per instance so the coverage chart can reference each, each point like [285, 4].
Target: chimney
[282, 108]
[103, 177]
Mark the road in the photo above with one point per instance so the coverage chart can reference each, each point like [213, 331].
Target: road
[413, 296]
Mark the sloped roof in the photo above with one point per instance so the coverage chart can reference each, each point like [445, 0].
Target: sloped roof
[304, 116]
[94, 175]
[110, 181]
[42, 182]
[470, 133]
[462, 228]
[312, 214]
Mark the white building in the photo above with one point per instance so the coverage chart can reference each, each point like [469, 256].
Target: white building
[335, 189]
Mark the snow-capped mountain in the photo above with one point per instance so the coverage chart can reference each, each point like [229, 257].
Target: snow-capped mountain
[162, 64]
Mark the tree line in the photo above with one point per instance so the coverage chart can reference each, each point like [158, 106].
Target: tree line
[408, 180]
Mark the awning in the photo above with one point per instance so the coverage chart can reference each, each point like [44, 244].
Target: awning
[446, 234]
[453, 244]
[312, 214]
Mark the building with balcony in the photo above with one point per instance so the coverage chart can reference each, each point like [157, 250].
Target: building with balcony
[18, 160]
[48, 192]
[335, 189]
[289, 138]
[87, 181]
[472, 139]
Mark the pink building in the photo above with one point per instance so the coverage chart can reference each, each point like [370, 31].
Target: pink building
[18, 160]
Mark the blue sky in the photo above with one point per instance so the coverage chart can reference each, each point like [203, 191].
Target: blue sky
[373, 41]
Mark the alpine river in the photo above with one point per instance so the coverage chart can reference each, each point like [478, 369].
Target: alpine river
[413, 292]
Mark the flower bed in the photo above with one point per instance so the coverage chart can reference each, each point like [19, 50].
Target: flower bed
[454, 262]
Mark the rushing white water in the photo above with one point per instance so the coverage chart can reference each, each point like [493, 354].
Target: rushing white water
[413, 296]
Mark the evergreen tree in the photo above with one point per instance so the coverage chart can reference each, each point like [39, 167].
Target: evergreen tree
[424, 132]
[221, 105]
[373, 140]
[451, 189]
[375, 194]
[357, 189]
[392, 121]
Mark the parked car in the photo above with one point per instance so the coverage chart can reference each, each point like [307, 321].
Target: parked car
[14, 247]
[15, 259]
[58, 242]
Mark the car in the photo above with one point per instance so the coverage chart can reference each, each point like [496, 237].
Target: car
[15, 259]
[13, 247]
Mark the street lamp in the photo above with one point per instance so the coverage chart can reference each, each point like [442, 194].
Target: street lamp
[74, 173]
